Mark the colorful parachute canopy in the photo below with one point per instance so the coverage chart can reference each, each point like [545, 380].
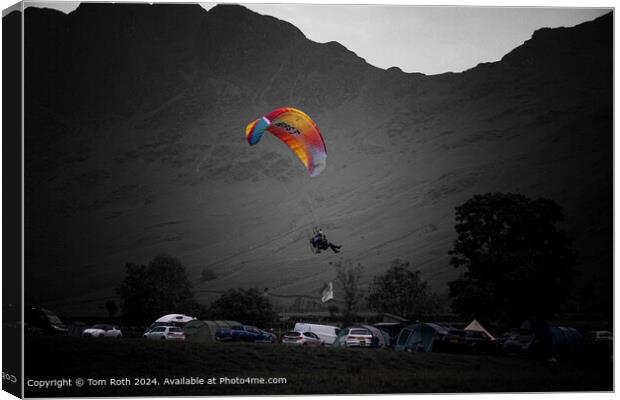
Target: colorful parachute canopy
[297, 130]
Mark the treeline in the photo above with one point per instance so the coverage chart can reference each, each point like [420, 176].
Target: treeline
[163, 286]
[513, 258]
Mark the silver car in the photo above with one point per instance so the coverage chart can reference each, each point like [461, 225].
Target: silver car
[354, 337]
[102, 331]
[301, 338]
[165, 333]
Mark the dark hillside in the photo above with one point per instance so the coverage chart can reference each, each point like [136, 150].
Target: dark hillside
[135, 118]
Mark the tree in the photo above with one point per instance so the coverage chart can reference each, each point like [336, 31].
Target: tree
[348, 277]
[249, 306]
[333, 310]
[112, 308]
[402, 292]
[162, 287]
[517, 262]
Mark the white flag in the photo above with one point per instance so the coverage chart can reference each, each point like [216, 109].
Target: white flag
[327, 293]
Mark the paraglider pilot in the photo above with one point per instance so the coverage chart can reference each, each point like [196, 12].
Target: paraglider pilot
[319, 242]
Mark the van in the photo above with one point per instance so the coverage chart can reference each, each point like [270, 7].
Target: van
[42, 321]
[326, 333]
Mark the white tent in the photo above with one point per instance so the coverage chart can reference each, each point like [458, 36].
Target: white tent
[180, 318]
[476, 326]
[171, 319]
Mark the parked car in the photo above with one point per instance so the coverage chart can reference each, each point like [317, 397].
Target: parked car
[165, 333]
[326, 333]
[455, 338]
[354, 337]
[302, 338]
[599, 336]
[599, 344]
[42, 321]
[103, 330]
[463, 341]
[519, 343]
[244, 333]
[512, 334]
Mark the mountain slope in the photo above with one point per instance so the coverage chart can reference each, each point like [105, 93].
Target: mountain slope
[136, 148]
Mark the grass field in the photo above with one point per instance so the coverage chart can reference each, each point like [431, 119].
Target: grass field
[307, 370]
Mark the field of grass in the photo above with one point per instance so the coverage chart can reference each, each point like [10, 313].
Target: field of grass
[307, 370]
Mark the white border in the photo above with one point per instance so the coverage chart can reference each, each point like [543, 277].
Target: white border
[511, 3]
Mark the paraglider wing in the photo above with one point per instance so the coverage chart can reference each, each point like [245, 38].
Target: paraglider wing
[297, 130]
[255, 129]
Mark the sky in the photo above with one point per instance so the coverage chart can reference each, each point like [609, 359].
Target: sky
[427, 39]
[430, 40]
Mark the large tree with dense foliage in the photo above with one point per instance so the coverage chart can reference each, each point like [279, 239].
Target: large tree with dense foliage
[150, 291]
[516, 260]
[248, 306]
[402, 291]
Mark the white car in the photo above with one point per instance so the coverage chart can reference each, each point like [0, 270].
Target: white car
[326, 333]
[599, 336]
[354, 337]
[102, 331]
[165, 333]
[302, 338]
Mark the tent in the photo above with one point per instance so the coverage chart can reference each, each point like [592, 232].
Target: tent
[420, 337]
[565, 339]
[171, 320]
[477, 327]
[391, 330]
[179, 318]
[379, 334]
[204, 331]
